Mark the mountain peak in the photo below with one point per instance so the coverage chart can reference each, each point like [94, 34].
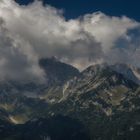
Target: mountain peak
[57, 71]
[128, 71]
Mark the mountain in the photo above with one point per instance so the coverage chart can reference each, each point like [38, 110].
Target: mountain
[99, 79]
[130, 72]
[96, 97]
[57, 72]
[100, 103]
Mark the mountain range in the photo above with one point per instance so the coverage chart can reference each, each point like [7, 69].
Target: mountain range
[101, 102]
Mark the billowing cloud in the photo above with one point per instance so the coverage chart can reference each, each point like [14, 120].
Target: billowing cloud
[106, 29]
[17, 59]
[28, 33]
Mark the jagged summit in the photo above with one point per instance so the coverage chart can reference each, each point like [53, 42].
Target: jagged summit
[56, 71]
[129, 71]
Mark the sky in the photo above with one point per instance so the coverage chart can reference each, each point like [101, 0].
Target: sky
[77, 33]
[76, 8]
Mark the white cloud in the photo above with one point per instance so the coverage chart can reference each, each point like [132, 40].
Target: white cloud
[31, 32]
[106, 29]
[16, 61]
